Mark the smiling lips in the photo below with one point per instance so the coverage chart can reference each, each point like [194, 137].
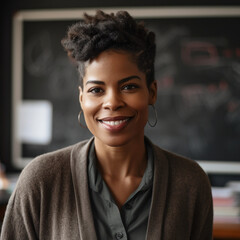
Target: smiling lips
[114, 124]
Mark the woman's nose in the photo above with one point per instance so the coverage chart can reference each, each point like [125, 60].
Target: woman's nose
[113, 101]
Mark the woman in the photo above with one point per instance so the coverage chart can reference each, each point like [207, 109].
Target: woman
[118, 184]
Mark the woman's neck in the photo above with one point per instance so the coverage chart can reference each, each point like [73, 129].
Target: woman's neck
[120, 162]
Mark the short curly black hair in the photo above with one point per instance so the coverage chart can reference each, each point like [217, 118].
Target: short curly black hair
[86, 39]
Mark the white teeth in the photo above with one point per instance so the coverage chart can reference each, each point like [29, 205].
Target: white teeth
[114, 123]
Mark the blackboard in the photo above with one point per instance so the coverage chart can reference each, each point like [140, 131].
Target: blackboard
[198, 75]
[49, 75]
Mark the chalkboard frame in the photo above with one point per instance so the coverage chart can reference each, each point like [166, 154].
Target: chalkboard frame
[21, 17]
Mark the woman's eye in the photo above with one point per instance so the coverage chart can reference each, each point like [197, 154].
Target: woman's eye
[130, 87]
[95, 90]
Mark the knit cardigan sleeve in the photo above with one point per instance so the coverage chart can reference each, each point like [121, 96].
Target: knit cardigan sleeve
[43, 203]
[22, 213]
[190, 199]
[202, 227]
[182, 201]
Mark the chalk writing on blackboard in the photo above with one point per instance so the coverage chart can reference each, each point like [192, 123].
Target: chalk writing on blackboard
[38, 54]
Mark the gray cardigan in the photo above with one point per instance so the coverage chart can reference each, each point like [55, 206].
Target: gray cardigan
[51, 199]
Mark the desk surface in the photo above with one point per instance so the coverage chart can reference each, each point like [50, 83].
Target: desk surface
[226, 231]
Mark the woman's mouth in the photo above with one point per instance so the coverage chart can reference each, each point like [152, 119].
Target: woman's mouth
[115, 124]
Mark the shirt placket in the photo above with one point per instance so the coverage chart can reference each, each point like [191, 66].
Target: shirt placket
[115, 222]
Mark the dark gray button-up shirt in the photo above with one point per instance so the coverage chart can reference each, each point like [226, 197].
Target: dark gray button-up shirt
[129, 222]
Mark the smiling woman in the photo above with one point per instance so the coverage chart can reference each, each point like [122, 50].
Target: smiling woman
[118, 184]
[116, 104]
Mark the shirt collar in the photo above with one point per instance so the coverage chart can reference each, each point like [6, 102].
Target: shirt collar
[97, 184]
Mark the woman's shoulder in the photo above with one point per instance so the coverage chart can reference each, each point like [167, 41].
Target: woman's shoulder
[183, 175]
[179, 161]
[180, 167]
[50, 166]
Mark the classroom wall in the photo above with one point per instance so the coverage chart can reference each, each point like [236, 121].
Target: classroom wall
[7, 11]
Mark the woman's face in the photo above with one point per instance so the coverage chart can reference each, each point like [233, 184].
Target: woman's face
[115, 98]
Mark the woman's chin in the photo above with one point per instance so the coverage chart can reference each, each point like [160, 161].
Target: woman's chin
[118, 141]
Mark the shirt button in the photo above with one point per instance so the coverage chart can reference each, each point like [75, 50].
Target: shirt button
[119, 235]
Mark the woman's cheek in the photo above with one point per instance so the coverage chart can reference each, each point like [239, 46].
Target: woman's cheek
[139, 103]
[90, 109]
[89, 104]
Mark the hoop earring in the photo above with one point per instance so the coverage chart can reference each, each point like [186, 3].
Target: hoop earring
[79, 119]
[156, 119]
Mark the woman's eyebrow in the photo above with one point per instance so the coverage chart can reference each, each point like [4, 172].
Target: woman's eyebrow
[120, 81]
[128, 79]
[95, 82]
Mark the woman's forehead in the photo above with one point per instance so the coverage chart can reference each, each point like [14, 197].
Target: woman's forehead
[115, 65]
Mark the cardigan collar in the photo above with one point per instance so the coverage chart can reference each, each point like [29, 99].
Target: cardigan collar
[159, 195]
[80, 183]
[79, 164]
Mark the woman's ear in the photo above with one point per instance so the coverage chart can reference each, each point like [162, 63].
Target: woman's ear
[153, 93]
[80, 95]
